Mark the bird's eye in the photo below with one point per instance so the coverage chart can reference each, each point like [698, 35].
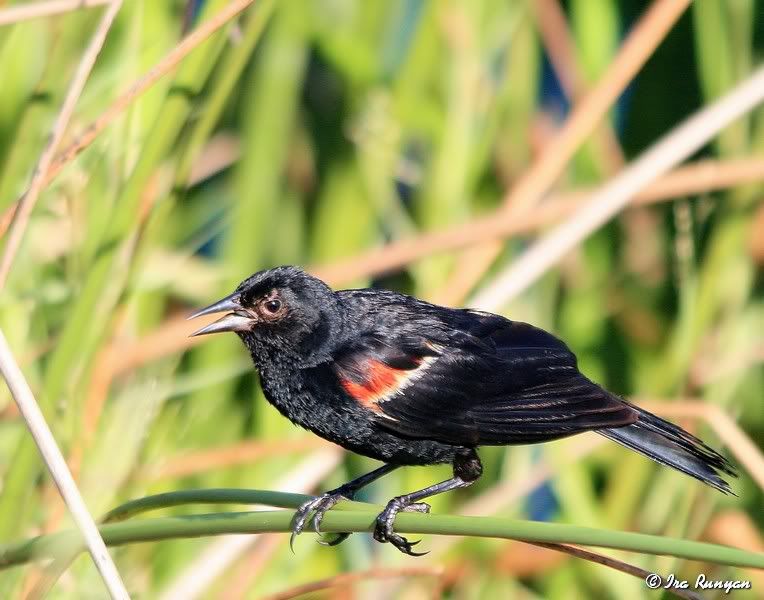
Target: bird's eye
[272, 306]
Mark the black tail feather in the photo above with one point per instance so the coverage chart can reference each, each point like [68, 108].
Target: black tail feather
[672, 446]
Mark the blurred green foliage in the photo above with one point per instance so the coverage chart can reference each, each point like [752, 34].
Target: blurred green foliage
[311, 131]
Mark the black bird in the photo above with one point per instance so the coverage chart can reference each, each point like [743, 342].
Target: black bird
[410, 383]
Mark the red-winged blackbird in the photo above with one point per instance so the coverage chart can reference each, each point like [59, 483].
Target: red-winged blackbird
[410, 383]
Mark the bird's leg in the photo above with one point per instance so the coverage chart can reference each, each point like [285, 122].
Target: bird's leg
[319, 505]
[467, 470]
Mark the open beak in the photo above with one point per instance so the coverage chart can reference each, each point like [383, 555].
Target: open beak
[236, 320]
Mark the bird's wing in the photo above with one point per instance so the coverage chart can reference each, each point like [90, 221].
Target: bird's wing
[496, 382]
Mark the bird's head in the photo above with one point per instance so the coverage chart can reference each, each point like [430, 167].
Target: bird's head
[280, 313]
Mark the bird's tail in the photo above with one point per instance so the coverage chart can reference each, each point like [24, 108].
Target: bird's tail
[672, 446]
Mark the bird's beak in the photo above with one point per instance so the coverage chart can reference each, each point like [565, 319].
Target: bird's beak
[236, 320]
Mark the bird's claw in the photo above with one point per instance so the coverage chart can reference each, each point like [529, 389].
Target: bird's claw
[314, 510]
[340, 537]
[383, 529]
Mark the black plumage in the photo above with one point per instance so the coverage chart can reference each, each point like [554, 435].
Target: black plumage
[410, 383]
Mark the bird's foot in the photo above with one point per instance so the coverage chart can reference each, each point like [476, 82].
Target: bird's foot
[313, 511]
[383, 529]
[420, 507]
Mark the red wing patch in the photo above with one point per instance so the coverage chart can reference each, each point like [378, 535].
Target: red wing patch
[380, 382]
